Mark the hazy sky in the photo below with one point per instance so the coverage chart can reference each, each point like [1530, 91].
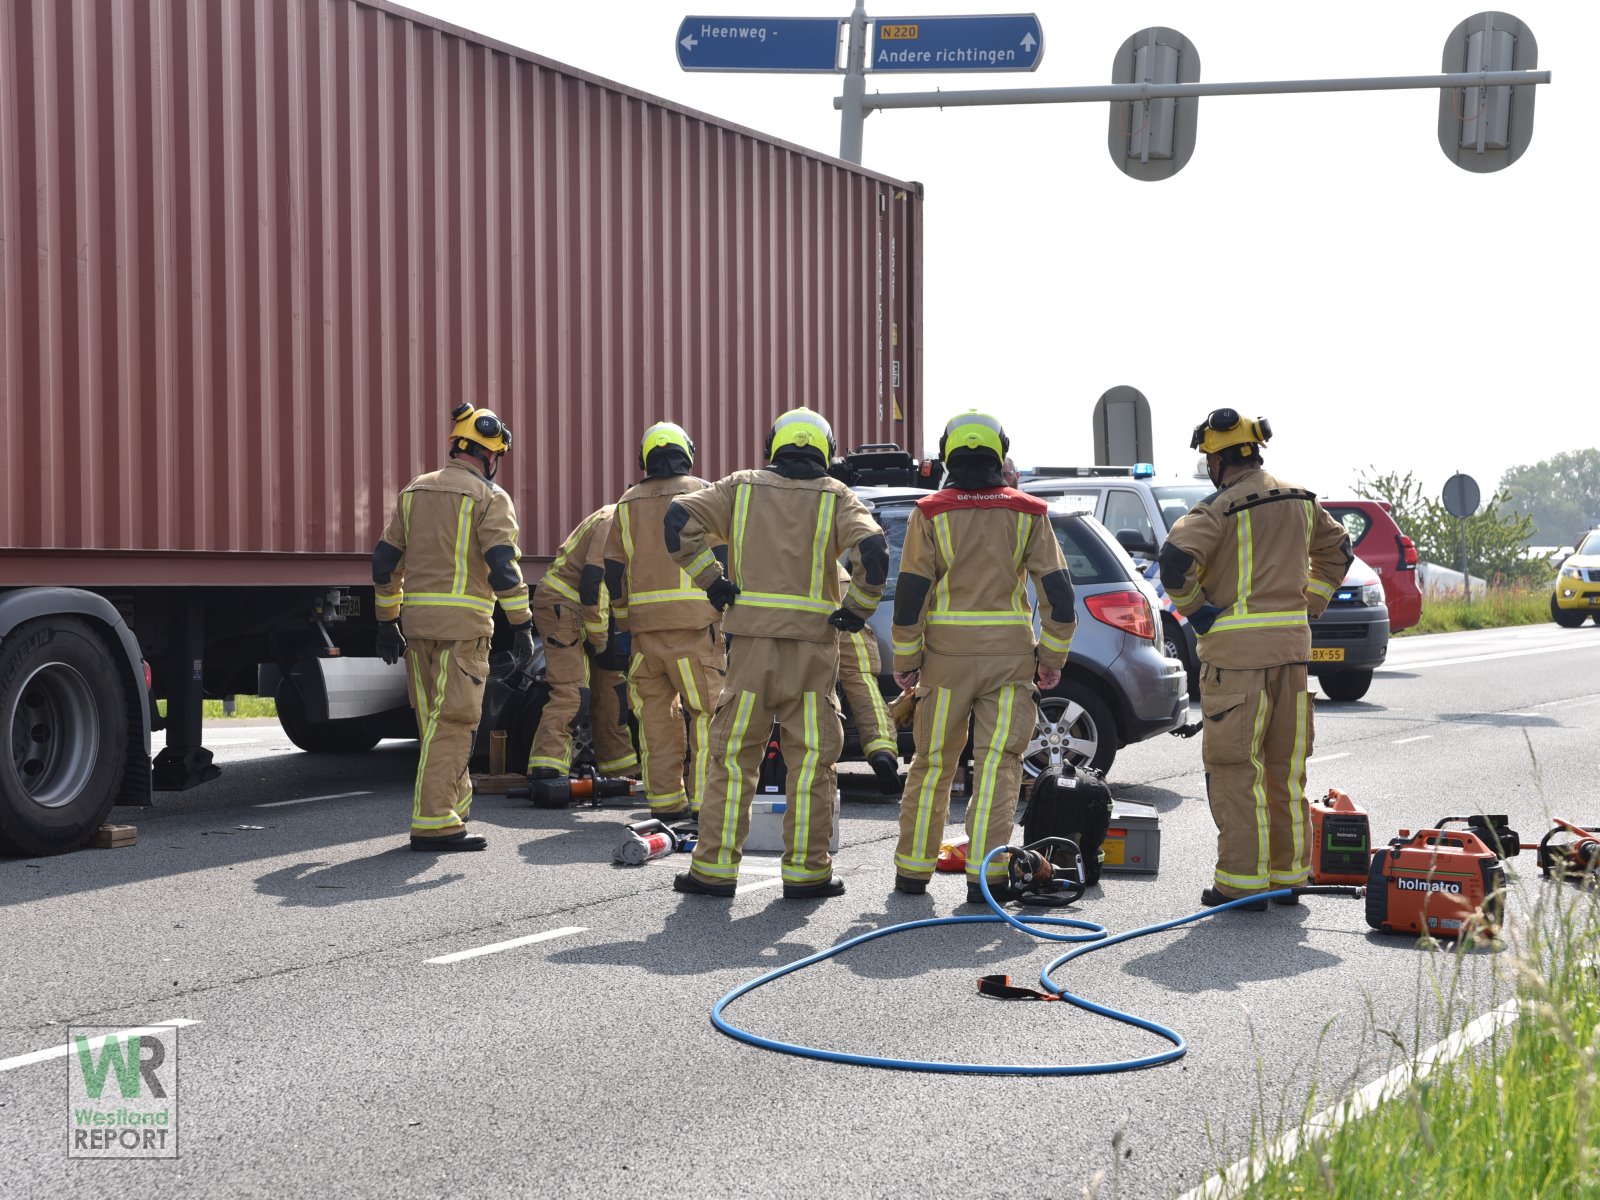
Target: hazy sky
[1318, 261]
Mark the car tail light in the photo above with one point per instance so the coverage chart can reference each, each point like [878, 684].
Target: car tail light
[148, 679]
[1408, 552]
[1128, 611]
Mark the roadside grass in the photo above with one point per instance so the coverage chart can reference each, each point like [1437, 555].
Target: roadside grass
[1493, 609]
[244, 706]
[1513, 1120]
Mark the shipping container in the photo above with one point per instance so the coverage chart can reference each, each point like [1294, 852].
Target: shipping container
[252, 253]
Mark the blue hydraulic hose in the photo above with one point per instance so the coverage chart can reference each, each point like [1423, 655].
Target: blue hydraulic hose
[1097, 937]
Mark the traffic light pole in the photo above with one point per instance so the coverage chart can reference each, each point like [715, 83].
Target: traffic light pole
[856, 104]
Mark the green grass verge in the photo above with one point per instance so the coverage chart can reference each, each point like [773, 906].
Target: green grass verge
[1514, 1120]
[244, 706]
[1487, 610]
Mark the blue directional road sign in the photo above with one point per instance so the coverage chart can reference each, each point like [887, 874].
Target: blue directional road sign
[1011, 42]
[771, 44]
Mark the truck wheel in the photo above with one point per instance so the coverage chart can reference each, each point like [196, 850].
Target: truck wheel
[1567, 618]
[328, 737]
[1074, 720]
[1345, 685]
[62, 706]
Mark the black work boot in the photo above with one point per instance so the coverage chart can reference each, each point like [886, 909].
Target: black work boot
[456, 841]
[544, 773]
[813, 891]
[1001, 891]
[686, 883]
[887, 768]
[1211, 898]
[910, 886]
[1291, 898]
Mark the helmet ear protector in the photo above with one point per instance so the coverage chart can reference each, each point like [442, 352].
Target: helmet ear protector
[664, 433]
[486, 429]
[1224, 427]
[802, 428]
[973, 430]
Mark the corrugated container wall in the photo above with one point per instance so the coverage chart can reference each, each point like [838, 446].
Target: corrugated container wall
[252, 252]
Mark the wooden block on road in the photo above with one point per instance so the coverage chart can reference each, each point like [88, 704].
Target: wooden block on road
[111, 836]
[497, 785]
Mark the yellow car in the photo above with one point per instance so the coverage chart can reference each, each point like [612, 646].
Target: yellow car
[1577, 591]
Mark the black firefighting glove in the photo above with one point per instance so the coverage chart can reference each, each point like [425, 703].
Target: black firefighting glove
[1204, 617]
[722, 593]
[846, 621]
[522, 651]
[391, 642]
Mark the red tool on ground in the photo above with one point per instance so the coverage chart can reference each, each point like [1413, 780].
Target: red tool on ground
[1570, 850]
[1341, 846]
[1446, 883]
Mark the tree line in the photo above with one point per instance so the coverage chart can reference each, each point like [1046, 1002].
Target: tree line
[1548, 504]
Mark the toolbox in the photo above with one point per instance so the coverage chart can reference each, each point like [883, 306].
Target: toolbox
[1133, 843]
[766, 825]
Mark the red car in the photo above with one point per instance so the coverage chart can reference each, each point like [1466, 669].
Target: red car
[1377, 539]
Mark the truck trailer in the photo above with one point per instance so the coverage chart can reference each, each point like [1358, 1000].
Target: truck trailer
[253, 252]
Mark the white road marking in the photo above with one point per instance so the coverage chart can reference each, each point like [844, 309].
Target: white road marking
[753, 887]
[1322, 758]
[1238, 1179]
[1512, 714]
[38, 1056]
[1473, 658]
[1421, 737]
[1576, 702]
[309, 799]
[510, 945]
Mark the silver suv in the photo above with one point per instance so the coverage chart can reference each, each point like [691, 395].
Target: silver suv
[1118, 686]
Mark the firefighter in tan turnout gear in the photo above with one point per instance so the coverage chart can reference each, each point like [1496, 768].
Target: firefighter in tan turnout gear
[1246, 566]
[963, 638]
[859, 664]
[673, 629]
[450, 550]
[786, 527]
[566, 626]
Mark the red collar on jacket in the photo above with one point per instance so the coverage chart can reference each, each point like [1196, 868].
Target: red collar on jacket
[949, 499]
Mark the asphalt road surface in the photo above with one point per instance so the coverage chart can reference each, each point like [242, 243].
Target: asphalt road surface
[280, 911]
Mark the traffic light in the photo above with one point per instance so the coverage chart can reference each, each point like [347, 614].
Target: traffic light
[1487, 129]
[1153, 139]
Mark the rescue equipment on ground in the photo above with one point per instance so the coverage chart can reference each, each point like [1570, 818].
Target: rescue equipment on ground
[1569, 850]
[1133, 842]
[1446, 883]
[766, 825]
[584, 788]
[653, 839]
[1341, 840]
[953, 855]
[1095, 935]
[1070, 806]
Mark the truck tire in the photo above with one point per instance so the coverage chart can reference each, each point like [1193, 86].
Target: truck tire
[1345, 685]
[63, 711]
[329, 737]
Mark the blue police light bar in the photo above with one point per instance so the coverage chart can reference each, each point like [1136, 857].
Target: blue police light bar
[1144, 470]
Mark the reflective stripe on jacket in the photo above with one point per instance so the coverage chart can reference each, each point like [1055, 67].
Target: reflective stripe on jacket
[784, 537]
[976, 562]
[445, 525]
[1268, 555]
[655, 594]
